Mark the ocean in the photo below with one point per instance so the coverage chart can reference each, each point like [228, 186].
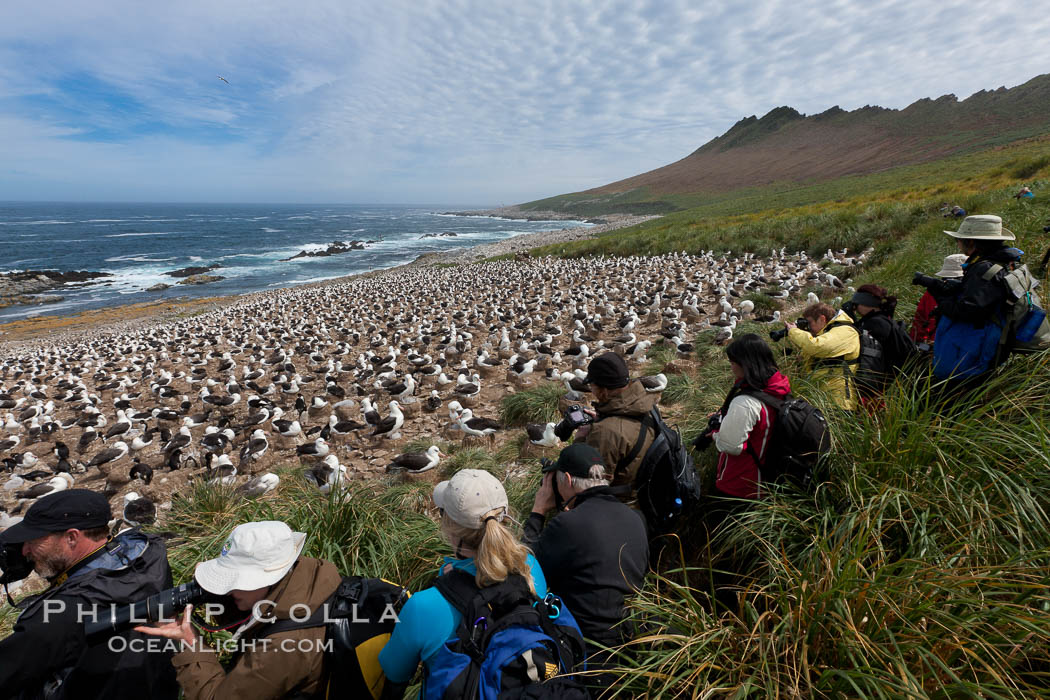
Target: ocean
[139, 243]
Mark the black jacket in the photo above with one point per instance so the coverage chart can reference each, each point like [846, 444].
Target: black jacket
[975, 300]
[46, 656]
[593, 556]
[896, 346]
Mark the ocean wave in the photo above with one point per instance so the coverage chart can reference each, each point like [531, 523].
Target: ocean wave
[147, 233]
[195, 258]
[137, 257]
[34, 223]
[104, 221]
[272, 230]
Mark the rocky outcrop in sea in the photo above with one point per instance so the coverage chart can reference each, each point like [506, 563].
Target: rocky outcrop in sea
[334, 248]
[25, 287]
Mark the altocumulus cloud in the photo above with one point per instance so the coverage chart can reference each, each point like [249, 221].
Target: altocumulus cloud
[448, 100]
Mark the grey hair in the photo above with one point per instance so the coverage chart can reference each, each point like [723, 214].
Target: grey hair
[595, 477]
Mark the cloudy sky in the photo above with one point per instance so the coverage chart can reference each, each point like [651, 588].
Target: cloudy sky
[449, 101]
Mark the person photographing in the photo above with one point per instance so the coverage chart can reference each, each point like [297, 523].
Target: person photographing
[617, 430]
[64, 538]
[830, 348]
[262, 571]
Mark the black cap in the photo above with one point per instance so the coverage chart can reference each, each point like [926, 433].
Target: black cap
[75, 509]
[608, 371]
[867, 299]
[576, 460]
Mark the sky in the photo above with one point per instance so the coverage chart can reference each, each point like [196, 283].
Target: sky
[482, 102]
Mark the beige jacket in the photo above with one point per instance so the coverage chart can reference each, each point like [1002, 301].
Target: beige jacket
[617, 431]
[281, 668]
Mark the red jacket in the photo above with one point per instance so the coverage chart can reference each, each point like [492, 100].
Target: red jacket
[744, 434]
[924, 325]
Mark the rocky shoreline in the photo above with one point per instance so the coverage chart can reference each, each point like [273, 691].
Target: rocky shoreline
[528, 241]
[516, 214]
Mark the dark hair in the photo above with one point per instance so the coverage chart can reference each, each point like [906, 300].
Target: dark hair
[96, 533]
[755, 357]
[819, 309]
[888, 303]
[985, 248]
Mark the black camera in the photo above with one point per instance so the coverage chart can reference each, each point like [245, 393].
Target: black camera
[1046, 229]
[777, 336]
[704, 439]
[850, 308]
[115, 619]
[577, 416]
[936, 285]
[574, 417]
[13, 563]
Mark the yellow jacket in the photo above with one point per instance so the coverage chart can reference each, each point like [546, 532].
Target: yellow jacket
[832, 342]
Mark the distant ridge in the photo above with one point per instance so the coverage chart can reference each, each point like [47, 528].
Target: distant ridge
[786, 146]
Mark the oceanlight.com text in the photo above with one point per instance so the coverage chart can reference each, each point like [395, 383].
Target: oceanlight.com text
[154, 645]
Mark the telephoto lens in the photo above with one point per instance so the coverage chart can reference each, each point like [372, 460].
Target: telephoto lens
[777, 336]
[114, 619]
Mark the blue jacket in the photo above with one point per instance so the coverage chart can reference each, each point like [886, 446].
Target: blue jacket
[427, 621]
[971, 323]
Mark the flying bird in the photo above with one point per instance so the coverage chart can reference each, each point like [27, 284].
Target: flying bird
[223, 79]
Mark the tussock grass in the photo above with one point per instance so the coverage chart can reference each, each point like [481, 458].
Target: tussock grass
[370, 528]
[919, 570]
[538, 404]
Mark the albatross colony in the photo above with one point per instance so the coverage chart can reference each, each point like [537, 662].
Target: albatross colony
[358, 369]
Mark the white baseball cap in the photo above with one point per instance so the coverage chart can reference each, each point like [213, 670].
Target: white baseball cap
[469, 495]
[254, 556]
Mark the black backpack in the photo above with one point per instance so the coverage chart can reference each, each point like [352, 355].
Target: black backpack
[666, 482]
[872, 370]
[798, 441]
[358, 620]
[509, 644]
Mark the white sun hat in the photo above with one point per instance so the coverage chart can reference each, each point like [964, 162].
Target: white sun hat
[469, 495]
[952, 267]
[983, 227]
[255, 555]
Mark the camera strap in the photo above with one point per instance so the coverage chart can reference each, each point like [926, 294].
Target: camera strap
[646, 422]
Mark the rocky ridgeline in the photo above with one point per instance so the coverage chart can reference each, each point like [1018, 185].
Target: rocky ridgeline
[334, 248]
[26, 287]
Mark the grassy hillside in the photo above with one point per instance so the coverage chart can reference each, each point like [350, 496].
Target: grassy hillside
[909, 181]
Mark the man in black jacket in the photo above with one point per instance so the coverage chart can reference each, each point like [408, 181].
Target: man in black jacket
[593, 553]
[65, 538]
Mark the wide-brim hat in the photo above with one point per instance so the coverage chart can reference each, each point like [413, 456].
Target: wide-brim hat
[983, 227]
[952, 267]
[469, 495]
[255, 555]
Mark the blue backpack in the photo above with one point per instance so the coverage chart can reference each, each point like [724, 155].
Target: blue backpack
[509, 644]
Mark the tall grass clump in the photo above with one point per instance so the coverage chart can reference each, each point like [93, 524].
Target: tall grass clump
[538, 404]
[369, 528]
[920, 569]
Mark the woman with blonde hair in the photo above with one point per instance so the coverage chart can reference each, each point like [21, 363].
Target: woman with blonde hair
[473, 506]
